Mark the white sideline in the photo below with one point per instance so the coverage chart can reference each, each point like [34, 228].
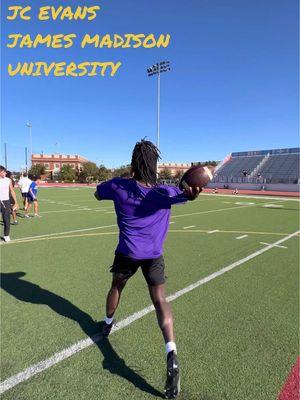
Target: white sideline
[82, 344]
[62, 233]
[109, 226]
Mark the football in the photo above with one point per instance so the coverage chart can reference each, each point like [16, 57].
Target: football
[196, 176]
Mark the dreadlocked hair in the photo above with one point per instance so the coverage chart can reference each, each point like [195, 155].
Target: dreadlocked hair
[144, 162]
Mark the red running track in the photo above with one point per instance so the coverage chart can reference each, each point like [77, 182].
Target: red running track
[290, 390]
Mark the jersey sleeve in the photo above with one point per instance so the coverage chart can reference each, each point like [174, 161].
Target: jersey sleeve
[166, 196]
[106, 190]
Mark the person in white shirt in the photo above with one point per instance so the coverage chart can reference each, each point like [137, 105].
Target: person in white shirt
[6, 189]
[24, 184]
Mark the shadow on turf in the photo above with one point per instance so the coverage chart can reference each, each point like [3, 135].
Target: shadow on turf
[31, 293]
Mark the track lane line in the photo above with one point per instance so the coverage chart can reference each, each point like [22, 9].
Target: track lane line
[14, 380]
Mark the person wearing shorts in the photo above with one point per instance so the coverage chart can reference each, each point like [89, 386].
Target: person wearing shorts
[6, 190]
[32, 198]
[13, 210]
[143, 212]
[24, 184]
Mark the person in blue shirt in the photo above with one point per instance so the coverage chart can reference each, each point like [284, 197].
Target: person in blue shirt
[32, 197]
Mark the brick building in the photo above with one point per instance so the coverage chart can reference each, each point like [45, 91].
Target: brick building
[174, 167]
[54, 162]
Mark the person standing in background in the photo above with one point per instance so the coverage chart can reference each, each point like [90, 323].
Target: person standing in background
[6, 189]
[11, 199]
[24, 184]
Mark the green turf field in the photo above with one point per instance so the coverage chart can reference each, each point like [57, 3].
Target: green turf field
[237, 332]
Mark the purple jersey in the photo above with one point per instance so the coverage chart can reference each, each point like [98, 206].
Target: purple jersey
[143, 215]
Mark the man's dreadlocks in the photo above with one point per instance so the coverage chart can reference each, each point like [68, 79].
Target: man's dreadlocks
[144, 162]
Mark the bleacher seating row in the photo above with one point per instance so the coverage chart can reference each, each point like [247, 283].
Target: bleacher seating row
[273, 166]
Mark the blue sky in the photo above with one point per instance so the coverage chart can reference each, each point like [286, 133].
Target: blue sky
[232, 86]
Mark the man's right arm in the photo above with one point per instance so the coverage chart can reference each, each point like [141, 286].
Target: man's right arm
[96, 194]
[105, 191]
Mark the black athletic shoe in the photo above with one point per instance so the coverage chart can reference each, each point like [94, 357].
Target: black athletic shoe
[107, 328]
[172, 387]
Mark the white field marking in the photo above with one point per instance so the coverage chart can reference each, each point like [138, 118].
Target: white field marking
[214, 231]
[60, 211]
[210, 211]
[240, 203]
[72, 210]
[220, 209]
[63, 233]
[172, 222]
[175, 216]
[110, 212]
[63, 237]
[253, 197]
[205, 231]
[241, 237]
[273, 205]
[226, 202]
[82, 344]
[276, 245]
[187, 227]
[17, 241]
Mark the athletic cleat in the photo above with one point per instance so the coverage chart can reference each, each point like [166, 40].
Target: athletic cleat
[107, 328]
[6, 238]
[172, 387]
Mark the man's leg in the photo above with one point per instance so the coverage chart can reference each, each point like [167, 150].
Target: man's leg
[163, 311]
[112, 301]
[5, 211]
[114, 294]
[165, 321]
[36, 207]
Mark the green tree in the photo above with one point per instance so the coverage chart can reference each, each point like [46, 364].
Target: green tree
[37, 170]
[165, 174]
[89, 172]
[103, 173]
[124, 171]
[67, 173]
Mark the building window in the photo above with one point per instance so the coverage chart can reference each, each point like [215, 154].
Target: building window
[46, 165]
[72, 165]
[57, 166]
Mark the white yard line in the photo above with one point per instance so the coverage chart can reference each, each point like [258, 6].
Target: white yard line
[214, 231]
[63, 233]
[82, 344]
[188, 227]
[241, 237]
[276, 245]
[252, 197]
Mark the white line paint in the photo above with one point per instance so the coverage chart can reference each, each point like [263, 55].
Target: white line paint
[281, 198]
[187, 227]
[63, 233]
[214, 231]
[172, 222]
[276, 245]
[82, 344]
[60, 211]
[241, 237]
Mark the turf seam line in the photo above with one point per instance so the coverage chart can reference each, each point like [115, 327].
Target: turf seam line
[14, 380]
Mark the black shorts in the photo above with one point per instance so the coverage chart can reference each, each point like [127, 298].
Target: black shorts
[24, 194]
[153, 268]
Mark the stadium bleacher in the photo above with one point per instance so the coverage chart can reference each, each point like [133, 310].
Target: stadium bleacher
[265, 166]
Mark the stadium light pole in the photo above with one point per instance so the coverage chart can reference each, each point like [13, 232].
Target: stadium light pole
[158, 69]
[29, 126]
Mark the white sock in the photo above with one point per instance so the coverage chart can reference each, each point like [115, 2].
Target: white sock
[109, 320]
[171, 346]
